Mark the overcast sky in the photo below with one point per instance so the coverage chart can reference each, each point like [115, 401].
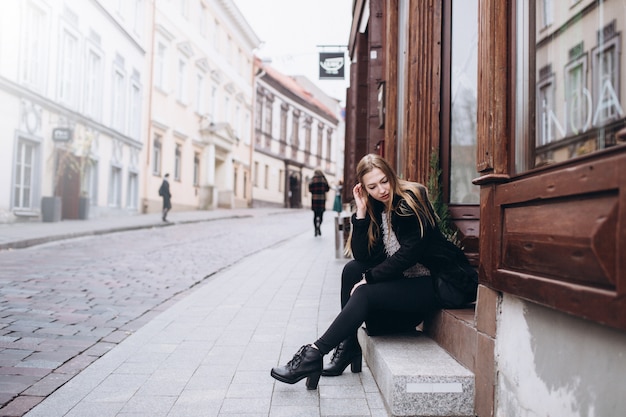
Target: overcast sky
[292, 30]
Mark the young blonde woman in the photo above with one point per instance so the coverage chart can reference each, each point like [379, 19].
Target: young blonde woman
[403, 269]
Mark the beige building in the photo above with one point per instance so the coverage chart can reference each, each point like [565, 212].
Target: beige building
[295, 133]
[201, 106]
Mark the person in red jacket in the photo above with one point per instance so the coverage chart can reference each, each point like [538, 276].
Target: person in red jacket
[403, 269]
[318, 187]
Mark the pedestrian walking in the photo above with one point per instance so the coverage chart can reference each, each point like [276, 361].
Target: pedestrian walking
[403, 269]
[164, 192]
[318, 187]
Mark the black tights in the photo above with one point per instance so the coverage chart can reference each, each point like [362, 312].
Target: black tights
[387, 307]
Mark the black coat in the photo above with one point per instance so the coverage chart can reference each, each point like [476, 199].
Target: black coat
[454, 278]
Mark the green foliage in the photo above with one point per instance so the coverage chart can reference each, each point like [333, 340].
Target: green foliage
[441, 209]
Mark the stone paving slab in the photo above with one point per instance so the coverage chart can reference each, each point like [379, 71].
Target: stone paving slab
[210, 353]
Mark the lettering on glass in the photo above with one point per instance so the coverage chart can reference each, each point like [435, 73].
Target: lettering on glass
[582, 103]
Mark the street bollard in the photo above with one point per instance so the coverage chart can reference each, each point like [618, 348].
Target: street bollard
[342, 231]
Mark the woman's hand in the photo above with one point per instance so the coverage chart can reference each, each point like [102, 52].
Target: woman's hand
[360, 199]
[357, 285]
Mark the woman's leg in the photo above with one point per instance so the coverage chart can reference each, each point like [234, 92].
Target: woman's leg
[411, 298]
[351, 274]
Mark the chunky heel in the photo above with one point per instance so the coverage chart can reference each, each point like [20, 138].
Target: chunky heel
[356, 364]
[313, 380]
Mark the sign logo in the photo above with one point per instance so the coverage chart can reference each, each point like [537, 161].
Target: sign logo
[332, 65]
[61, 134]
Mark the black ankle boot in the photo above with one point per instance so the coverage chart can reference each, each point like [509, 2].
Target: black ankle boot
[306, 363]
[347, 353]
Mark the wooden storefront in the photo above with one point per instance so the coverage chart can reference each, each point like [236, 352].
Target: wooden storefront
[548, 224]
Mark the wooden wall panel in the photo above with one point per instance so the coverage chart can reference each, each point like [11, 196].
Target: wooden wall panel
[559, 236]
[424, 88]
[391, 80]
[494, 73]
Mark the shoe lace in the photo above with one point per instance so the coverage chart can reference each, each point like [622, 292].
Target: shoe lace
[337, 352]
[297, 358]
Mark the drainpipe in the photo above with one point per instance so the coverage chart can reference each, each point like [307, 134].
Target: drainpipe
[144, 205]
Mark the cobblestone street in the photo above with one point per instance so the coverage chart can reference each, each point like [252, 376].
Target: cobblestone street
[65, 304]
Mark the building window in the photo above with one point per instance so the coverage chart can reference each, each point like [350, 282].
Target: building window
[181, 91]
[307, 139]
[237, 121]
[177, 162]
[132, 191]
[156, 154]
[196, 169]
[160, 66]
[135, 110]
[546, 131]
[34, 41]
[115, 187]
[138, 17]
[576, 94]
[320, 143]
[463, 102]
[546, 12]
[284, 114]
[295, 134]
[269, 114]
[213, 103]
[606, 76]
[90, 181]
[24, 175]
[329, 143]
[118, 101]
[93, 84]
[571, 119]
[203, 21]
[266, 177]
[258, 121]
[68, 69]
[200, 94]
[256, 174]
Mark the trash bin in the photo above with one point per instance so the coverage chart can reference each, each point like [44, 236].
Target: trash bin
[342, 232]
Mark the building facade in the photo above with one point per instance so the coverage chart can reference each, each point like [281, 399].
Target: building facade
[201, 106]
[520, 106]
[73, 87]
[295, 133]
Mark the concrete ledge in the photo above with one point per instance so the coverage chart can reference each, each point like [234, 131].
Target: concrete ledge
[417, 377]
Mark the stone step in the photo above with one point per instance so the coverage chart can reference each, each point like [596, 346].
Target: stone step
[417, 377]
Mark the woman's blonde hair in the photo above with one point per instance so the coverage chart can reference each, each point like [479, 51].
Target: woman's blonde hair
[414, 194]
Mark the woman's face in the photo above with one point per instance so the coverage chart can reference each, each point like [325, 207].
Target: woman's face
[377, 185]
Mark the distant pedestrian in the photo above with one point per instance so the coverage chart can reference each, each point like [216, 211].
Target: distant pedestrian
[164, 191]
[318, 188]
[337, 204]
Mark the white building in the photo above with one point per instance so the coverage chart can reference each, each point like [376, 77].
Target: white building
[201, 112]
[73, 98]
[295, 133]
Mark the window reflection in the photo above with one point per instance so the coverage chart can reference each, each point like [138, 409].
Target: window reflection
[579, 94]
[464, 61]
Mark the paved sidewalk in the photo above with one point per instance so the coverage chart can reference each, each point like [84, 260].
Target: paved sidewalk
[210, 353]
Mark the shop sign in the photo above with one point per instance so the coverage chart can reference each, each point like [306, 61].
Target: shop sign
[62, 134]
[332, 65]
